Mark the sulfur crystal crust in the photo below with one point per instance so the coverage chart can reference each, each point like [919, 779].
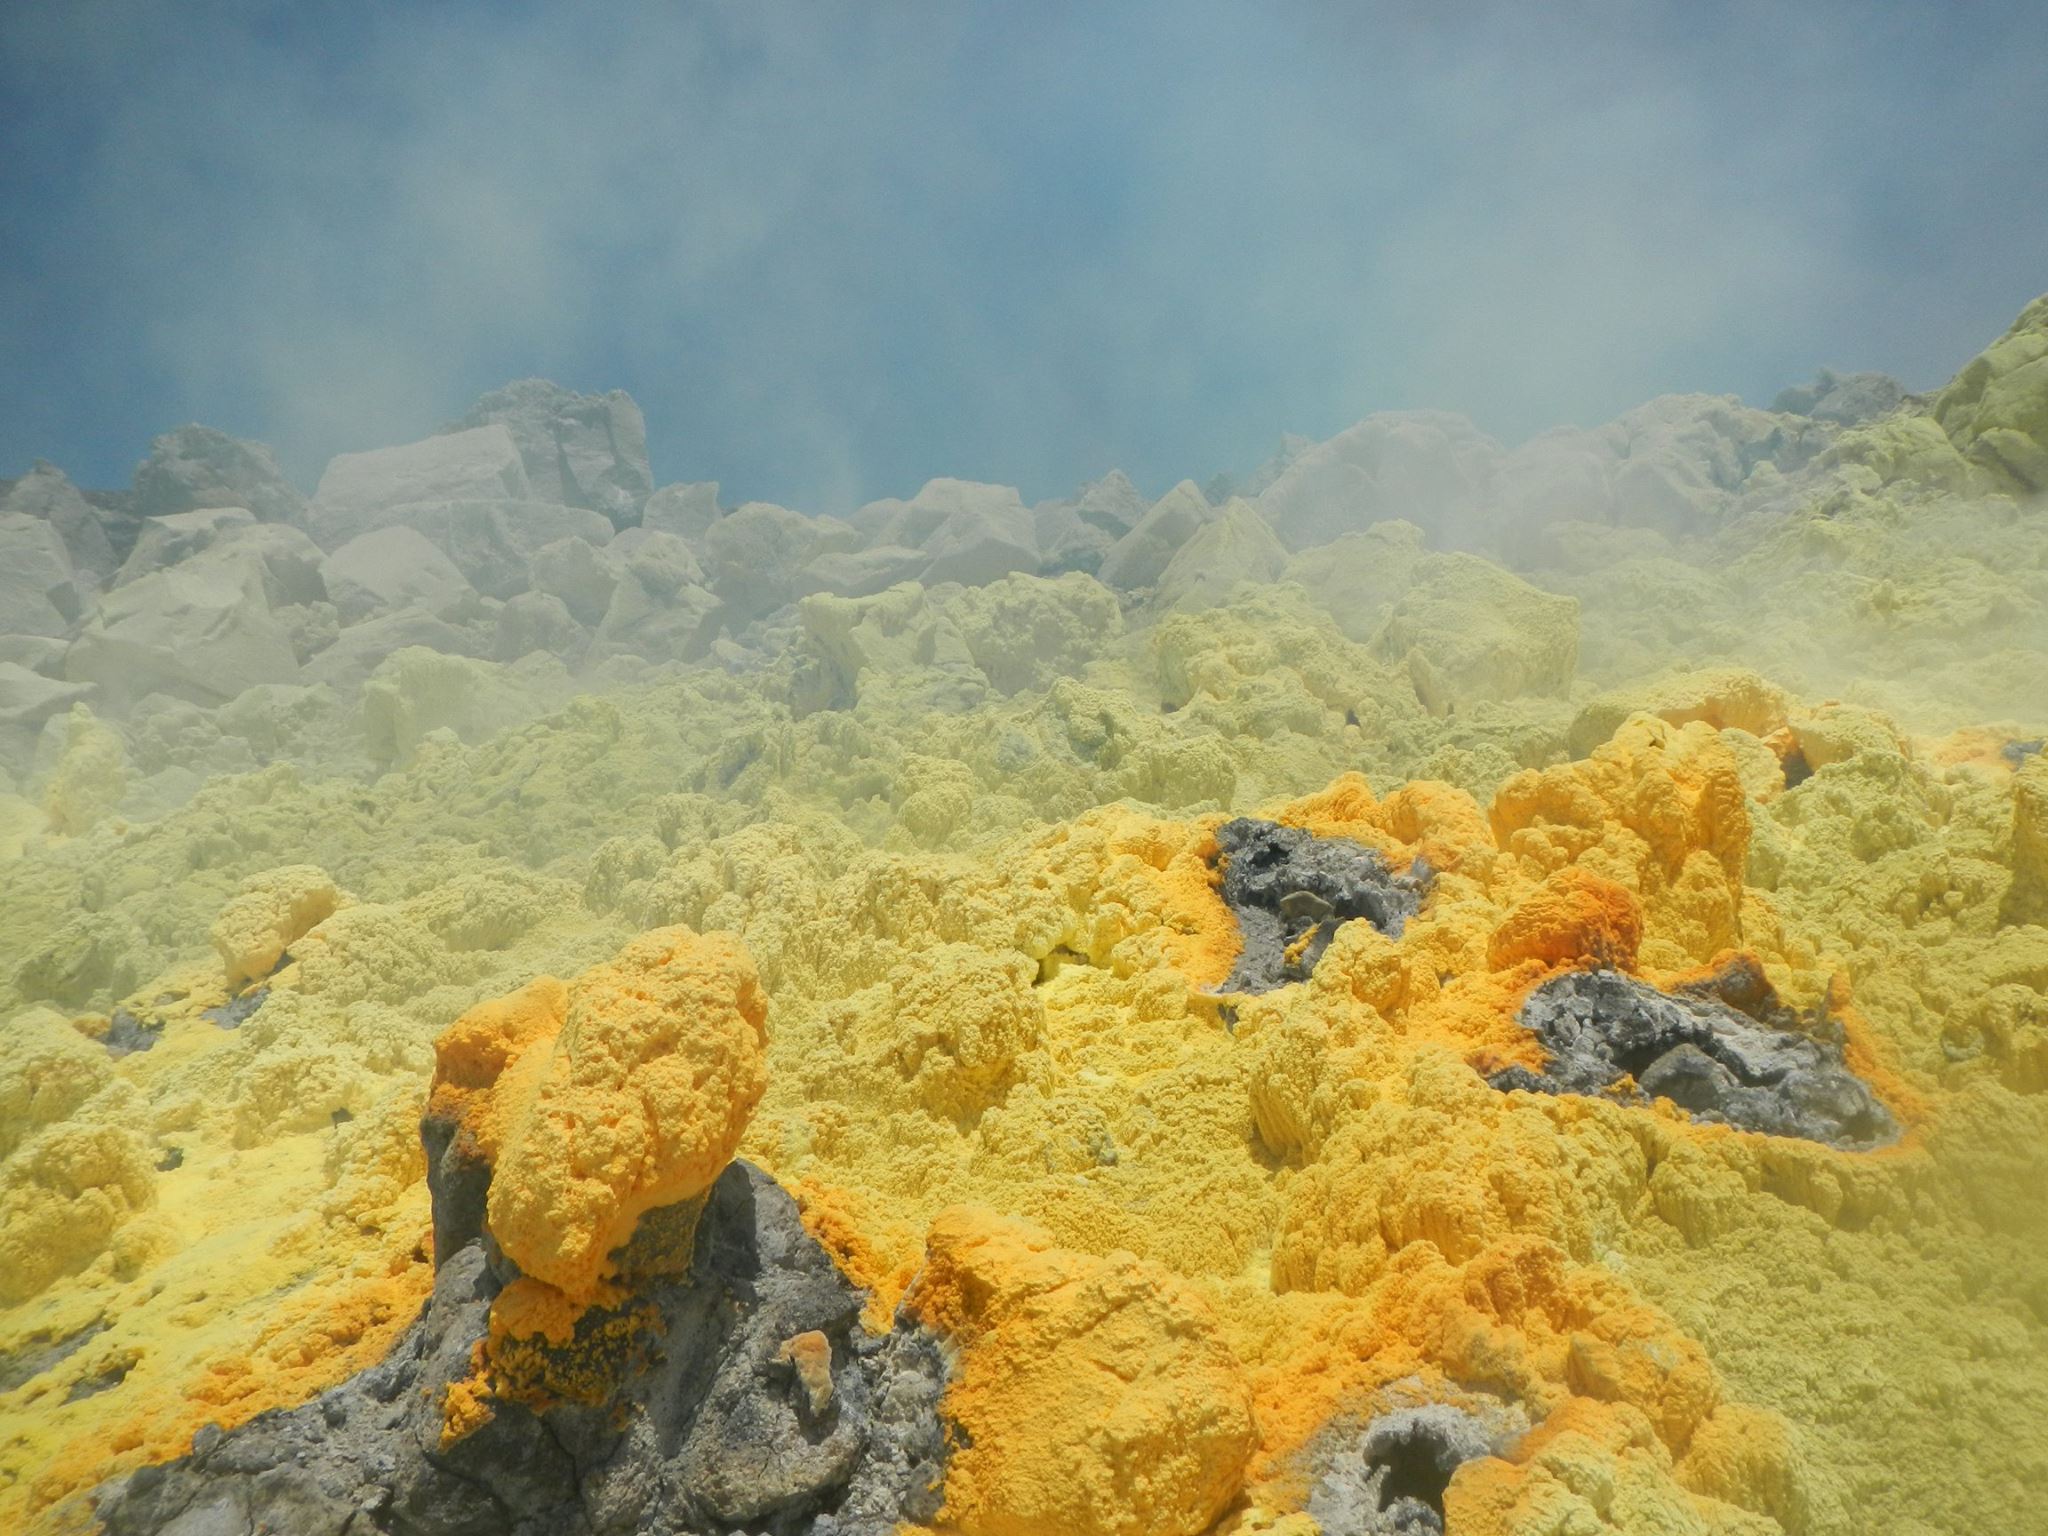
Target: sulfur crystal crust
[1265, 1012]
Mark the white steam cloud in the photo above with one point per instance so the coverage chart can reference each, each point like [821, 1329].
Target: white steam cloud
[835, 249]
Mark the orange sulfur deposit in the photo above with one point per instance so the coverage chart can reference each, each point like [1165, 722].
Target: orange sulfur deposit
[920, 912]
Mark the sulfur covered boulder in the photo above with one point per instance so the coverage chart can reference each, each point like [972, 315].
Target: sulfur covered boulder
[1996, 409]
[961, 1018]
[1092, 1396]
[1358, 577]
[1468, 630]
[417, 691]
[272, 912]
[1024, 631]
[1575, 917]
[597, 1101]
[73, 1171]
[2030, 837]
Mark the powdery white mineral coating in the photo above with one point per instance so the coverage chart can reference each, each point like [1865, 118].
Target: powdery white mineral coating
[639, 1101]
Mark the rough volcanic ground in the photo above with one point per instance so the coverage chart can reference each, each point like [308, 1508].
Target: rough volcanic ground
[1434, 987]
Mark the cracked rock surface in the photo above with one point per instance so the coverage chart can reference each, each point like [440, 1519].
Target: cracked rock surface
[1389, 1478]
[1725, 1052]
[709, 1433]
[1291, 890]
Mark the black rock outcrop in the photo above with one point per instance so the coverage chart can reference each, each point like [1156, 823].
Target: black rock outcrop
[1290, 891]
[1389, 1477]
[709, 1429]
[1725, 1051]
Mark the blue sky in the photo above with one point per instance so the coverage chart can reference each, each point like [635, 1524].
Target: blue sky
[836, 249]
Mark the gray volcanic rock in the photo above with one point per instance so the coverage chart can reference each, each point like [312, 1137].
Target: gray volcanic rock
[46, 492]
[164, 541]
[538, 621]
[1845, 398]
[581, 575]
[1727, 1052]
[196, 467]
[687, 510]
[1112, 504]
[1291, 890]
[986, 538]
[579, 450]
[1066, 542]
[705, 1434]
[1389, 1478]
[202, 630]
[754, 557]
[1140, 557]
[360, 492]
[393, 568]
[1432, 467]
[36, 577]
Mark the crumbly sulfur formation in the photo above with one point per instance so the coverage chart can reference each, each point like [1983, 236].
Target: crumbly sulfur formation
[894, 912]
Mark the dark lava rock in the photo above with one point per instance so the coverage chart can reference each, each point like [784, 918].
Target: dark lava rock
[1390, 1479]
[236, 1011]
[2017, 752]
[1291, 890]
[706, 1434]
[25, 1362]
[126, 1034]
[1725, 1051]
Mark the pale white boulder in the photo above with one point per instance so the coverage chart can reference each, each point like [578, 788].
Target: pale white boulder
[202, 630]
[165, 541]
[363, 491]
[1433, 468]
[580, 450]
[988, 534]
[47, 492]
[687, 510]
[1140, 557]
[358, 649]
[1236, 547]
[36, 577]
[860, 572]
[393, 568]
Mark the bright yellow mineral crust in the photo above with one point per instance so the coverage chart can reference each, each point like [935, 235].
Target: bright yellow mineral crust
[638, 1101]
[956, 847]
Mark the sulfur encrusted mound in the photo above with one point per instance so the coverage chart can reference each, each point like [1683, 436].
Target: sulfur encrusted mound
[1153, 899]
[595, 1103]
[1094, 1396]
[273, 912]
